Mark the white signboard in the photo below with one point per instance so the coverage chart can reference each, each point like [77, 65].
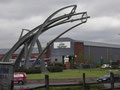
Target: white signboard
[6, 75]
[62, 45]
[66, 59]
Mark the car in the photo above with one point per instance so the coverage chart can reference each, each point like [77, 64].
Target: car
[20, 78]
[105, 66]
[106, 78]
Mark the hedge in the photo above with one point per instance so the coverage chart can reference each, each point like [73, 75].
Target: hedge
[55, 69]
[28, 71]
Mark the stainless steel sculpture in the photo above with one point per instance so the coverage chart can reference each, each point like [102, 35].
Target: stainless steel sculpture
[28, 41]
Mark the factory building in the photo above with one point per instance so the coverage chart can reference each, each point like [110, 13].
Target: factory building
[65, 50]
[68, 50]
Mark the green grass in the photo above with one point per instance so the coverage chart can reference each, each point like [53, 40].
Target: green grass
[71, 74]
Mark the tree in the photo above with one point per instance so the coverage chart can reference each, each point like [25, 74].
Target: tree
[80, 57]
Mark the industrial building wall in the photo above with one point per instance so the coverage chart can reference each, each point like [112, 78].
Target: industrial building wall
[97, 54]
[101, 54]
[115, 54]
[56, 59]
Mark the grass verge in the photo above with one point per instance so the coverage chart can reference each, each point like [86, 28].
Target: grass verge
[71, 74]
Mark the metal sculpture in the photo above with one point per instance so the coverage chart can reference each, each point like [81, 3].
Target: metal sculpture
[28, 41]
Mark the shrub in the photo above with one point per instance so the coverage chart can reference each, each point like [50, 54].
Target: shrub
[55, 69]
[98, 66]
[58, 64]
[28, 71]
[85, 66]
[115, 65]
[74, 66]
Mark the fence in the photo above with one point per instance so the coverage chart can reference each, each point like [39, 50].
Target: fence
[83, 84]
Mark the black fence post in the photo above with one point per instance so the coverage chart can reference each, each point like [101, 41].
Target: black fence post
[46, 82]
[12, 85]
[84, 81]
[112, 80]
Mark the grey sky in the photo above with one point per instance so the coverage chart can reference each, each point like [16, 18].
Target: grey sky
[103, 26]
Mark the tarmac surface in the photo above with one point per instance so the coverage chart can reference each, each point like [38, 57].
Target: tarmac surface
[40, 82]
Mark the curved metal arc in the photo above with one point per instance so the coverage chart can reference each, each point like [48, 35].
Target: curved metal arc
[59, 18]
[40, 30]
[54, 40]
[84, 14]
[62, 17]
[60, 23]
[65, 22]
[27, 36]
[52, 21]
[19, 43]
[19, 58]
[42, 64]
[72, 11]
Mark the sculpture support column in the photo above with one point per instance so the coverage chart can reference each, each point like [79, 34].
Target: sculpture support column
[42, 62]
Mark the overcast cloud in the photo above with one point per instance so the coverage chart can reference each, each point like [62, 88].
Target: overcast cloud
[103, 26]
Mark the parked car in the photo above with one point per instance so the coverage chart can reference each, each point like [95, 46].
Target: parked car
[105, 66]
[106, 78]
[20, 78]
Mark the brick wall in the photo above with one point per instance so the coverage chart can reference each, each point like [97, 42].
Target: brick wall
[78, 49]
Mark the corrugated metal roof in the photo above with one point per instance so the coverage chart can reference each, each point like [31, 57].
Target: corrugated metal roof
[88, 43]
[98, 44]
[64, 39]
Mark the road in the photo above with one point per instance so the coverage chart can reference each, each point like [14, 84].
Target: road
[26, 86]
[29, 86]
[32, 85]
[116, 85]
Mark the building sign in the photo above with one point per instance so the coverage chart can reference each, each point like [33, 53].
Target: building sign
[62, 45]
[66, 59]
[6, 75]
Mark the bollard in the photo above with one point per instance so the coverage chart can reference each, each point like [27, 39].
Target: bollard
[46, 82]
[83, 81]
[112, 80]
[12, 85]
